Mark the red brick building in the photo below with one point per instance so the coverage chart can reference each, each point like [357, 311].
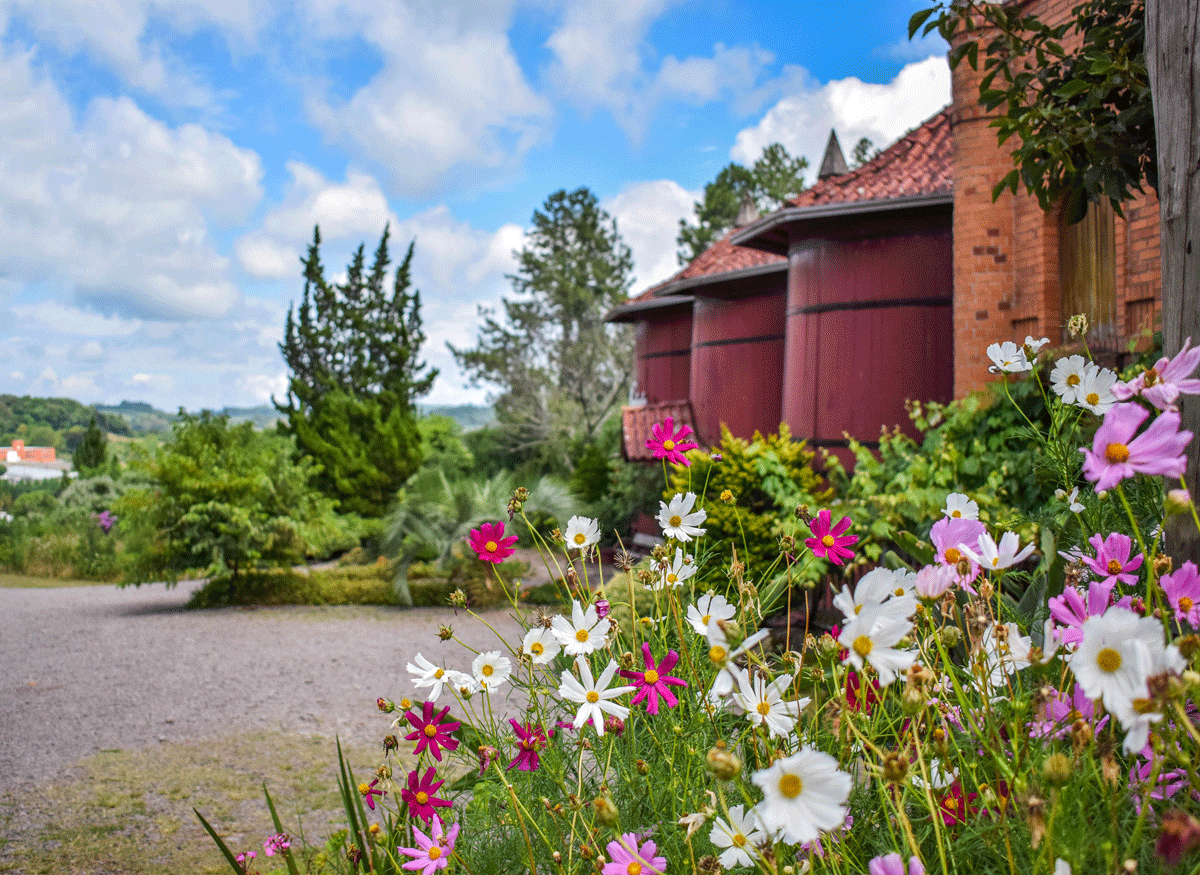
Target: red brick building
[21, 453]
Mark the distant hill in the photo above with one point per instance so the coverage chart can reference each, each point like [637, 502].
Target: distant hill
[59, 414]
[470, 416]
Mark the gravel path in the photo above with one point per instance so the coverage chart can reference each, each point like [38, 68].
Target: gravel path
[96, 668]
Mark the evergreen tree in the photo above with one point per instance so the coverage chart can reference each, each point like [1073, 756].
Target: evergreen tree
[353, 352]
[92, 453]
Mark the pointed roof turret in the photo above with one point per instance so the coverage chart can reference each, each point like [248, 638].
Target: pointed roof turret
[747, 212]
[834, 162]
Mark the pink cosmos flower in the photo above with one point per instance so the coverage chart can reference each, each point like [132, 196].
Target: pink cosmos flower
[949, 535]
[669, 444]
[1163, 383]
[1060, 713]
[418, 795]
[277, 844]
[893, 864]
[1112, 560]
[489, 543]
[654, 681]
[1182, 588]
[1116, 454]
[530, 739]
[628, 859]
[1072, 610]
[829, 542]
[429, 732]
[933, 581]
[433, 851]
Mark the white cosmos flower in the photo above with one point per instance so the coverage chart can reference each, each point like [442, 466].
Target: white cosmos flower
[1071, 498]
[678, 520]
[877, 587]
[682, 568]
[764, 704]
[869, 638]
[1067, 376]
[1008, 358]
[1095, 392]
[708, 608]
[1107, 663]
[541, 645]
[740, 836]
[426, 674]
[993, 557]
[1033, 347]
[491, 669]
[958, 505]
[582, 533]
[594, 696]
[1000, 658]
[803, 795]
[584, 633]
[464, 684]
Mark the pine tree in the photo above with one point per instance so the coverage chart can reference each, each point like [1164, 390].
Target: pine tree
[353, 353]
[92, 453]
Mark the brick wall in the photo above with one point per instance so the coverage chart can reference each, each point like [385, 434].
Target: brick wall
[1006, 282]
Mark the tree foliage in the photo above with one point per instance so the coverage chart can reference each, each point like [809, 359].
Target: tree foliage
[559, 368]
[221, 499]
[1082, 116]
[774, 178]
[92, 453]
[864, 150]
[353, 352]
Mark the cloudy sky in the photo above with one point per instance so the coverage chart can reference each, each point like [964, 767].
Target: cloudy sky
[163, 162]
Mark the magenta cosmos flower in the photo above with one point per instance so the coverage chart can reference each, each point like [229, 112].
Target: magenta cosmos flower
[489, 543]
[418, 795]
[530, 741]
[429, 732]
[1112, 560]
[1071, 609]
[829, 542]
[893, 864]
[654, 681]
[1117, 454]
[669, 444]
[369, 793]
[628, 859]
[432, 851]
[1163, 383]
[1182, 588]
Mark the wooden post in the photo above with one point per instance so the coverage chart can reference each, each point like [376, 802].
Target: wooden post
[1173, 62]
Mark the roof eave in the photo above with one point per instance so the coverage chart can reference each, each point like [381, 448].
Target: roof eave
[682, 286]
[633, 310]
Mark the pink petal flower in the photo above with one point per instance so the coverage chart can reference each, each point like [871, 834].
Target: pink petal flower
[669, 444]
[829, 542]
[1116, 454]
[489, 543]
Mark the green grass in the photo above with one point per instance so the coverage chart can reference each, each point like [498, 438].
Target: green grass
[24, 581]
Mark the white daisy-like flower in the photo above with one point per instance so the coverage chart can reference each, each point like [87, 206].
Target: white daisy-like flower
[1108, 663]
[994, 557]
[877, 587]
[939, 778]
[960, 506]
[1033, 347]
[1067, 376]
[540, 645]
[1096, 390]
[741, 836]
[718, 644]
[1062, 867]
[593, 695]
[1008, 358]
[582, 532]
[764, 704]
[720, 696]
[869, 638]
[678, 520]
[803, 795]
[585, 632]
[1071, 498]
[1002, 655]
[462, 683]
[708, 608]
[681, 569]
[491, 669]
[426, 674]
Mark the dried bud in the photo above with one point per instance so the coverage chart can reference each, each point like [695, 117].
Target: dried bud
[603, 608]
[557, 857]
[646, 577]
[1081, 735]
[586, 852]
[912, 700]
[606, 811]
[1162, 564]
[1178, 501]
[803, 515]
[521, 494]
[384, 772]
[1189, 646]
[387, 706]
[643, 768]
[708, 865]
[726, 496]
[445, 633]
[986, 590]
[627, 661]
[571, 577]
[895, 767]
[354, 854]
[615, 725]
[659, 554]
[458, 599]
[963, 568]
[390, 744]
[1077, 325]
[724, 764]
[623, 562]
[736, 569]
[1056, 769]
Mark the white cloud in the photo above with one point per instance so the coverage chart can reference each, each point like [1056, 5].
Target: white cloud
[116, 206]
[91, 351]
[72, 320]
[262, 387]
[648, 215]
[853, 108]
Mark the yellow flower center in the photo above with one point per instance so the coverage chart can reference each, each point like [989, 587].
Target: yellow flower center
[363, 788]
[953, 555]
[790, 786]
[1093, 398]
[764, 708]
[439, 672]
[1114, 567]
[704, 620]
[668, 445]
[634, 868]
[957, 514]
[422, 798]
[717, 654]
[430, 731]
[592, 696]
[857, 610]
[898, 591]
[862, 645]
[951, 804]
[490, 547]
[1108, 660]
[676, 521]
[1185, 603]
[405, 704]
[671, 578]
[828, 541]
[1116, 453]
[581, 636]
[434, 852]
[651, 676]
[995, 561]
[1073, 380]
[739, 840]
[488, 670]
[579, 538]
[536, 648]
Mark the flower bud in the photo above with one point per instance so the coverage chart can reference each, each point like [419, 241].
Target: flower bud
[1057, 769]
[912, 700]
[643, 768]
[603, 608]
[950, 636]
[726, 496]
[384, 772]
[606, 811]
[445, 633]
[895, 767]
[387, 706]
[723, 764]
[1162, 564]
[615, 725]
[458, 599]
[557, 857]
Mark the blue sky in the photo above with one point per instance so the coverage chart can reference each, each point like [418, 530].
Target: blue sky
[162, 164]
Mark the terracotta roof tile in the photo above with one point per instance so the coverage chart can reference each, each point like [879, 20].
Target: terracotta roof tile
[721, 257]
[637, 422]
[920, 162]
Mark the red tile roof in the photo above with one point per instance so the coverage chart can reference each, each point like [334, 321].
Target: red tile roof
[720, 258]
[920, 162]
[637, 422]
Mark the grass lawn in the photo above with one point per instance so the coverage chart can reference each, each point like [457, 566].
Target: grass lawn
[24, 581]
